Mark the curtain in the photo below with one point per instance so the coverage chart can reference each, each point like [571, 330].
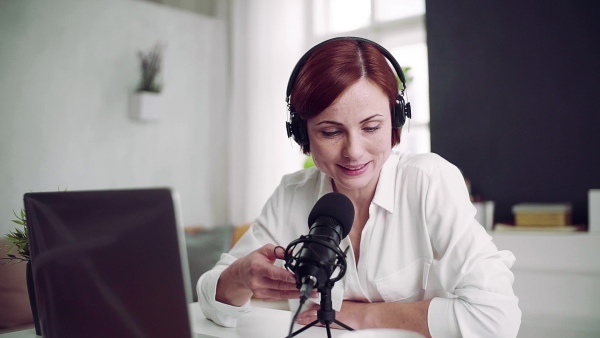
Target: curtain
[267, 38]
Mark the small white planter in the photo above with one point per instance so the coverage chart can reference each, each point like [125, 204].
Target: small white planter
[145, 106]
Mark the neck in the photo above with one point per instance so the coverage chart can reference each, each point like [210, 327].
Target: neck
[361, 198]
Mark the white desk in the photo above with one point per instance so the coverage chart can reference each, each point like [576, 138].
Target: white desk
[259, 323]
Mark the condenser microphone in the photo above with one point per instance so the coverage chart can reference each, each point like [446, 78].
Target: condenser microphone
[329, 222]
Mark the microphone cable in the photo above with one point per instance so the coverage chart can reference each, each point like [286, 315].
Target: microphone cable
[305, 291]
[303, 299]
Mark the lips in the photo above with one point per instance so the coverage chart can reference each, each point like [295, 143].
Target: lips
[355, 169]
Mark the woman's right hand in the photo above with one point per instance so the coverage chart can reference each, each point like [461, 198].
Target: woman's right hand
[256, 275]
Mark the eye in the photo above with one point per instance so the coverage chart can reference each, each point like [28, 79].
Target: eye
[330, 133]
[371, 129]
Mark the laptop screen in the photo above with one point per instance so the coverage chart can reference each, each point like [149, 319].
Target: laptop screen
[108, 263]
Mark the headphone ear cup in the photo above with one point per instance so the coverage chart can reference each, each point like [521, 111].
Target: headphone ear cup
[399, 116]
[297, 128]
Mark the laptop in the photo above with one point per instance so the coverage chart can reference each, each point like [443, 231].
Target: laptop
[109, 263]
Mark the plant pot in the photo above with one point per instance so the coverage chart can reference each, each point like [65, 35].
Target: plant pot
[32, 299]
[145, 106]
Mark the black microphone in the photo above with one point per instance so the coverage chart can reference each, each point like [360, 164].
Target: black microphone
[329, 221]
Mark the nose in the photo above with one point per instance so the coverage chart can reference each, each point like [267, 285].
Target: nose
[353, 146]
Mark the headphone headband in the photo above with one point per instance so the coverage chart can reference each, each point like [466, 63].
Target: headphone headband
[306, 55]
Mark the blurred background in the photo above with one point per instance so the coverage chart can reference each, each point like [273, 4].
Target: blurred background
[70, 68]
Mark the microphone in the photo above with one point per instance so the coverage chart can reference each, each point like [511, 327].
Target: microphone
[329, 222]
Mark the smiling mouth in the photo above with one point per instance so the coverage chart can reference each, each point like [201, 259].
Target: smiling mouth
[354, 168]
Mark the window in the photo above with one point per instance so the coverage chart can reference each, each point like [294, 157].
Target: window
[399, 26]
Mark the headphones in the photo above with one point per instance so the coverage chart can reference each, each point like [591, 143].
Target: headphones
[296, 126]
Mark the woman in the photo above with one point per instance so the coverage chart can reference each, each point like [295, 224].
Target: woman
[418, 259]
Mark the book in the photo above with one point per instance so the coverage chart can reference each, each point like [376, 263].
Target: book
[542, 214]
[504, 227]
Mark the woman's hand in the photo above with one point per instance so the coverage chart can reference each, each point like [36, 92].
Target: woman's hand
[358, 315]
[352, 314]
[256, 275]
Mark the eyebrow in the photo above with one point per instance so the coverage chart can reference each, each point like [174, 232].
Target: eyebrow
[339, 124]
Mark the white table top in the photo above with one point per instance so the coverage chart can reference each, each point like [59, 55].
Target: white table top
[259, 323]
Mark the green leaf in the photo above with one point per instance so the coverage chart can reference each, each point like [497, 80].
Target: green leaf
[18, 244]
[309, 162]
[17, 221]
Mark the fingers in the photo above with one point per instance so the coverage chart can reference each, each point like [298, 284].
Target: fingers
[268, 250]
[279, 252]
[309, 315]
[264, 279]
[272, 294]
[273, 284]
[269, 288]
[278, 274]
[263, 268]
[256, 275]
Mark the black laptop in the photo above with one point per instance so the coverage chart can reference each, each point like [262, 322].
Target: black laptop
[109, 263]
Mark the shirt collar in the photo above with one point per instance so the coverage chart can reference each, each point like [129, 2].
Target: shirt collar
[325, 185]
[384, 193]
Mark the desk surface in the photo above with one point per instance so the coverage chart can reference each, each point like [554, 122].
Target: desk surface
[260, 322]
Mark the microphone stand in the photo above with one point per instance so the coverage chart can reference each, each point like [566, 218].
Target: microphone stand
[326, 314]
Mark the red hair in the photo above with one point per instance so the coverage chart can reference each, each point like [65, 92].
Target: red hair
[333, 68]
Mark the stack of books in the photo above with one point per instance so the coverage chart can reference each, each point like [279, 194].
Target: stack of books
[540, 217]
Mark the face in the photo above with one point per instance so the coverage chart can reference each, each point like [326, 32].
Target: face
[351, 139]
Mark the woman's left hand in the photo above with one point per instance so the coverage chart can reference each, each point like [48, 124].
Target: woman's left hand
[358, 315]
[351, 314]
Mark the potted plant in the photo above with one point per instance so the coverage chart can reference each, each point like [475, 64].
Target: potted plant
[17, 241]
[145, 103]
[18, 252]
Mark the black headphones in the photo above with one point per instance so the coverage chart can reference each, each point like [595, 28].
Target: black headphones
[296, 126]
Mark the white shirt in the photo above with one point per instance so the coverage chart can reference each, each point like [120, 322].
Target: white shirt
[421, 241]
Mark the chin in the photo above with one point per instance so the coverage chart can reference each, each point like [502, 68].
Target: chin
[353, 184]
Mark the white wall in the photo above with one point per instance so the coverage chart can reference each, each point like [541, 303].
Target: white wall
[67, 70]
